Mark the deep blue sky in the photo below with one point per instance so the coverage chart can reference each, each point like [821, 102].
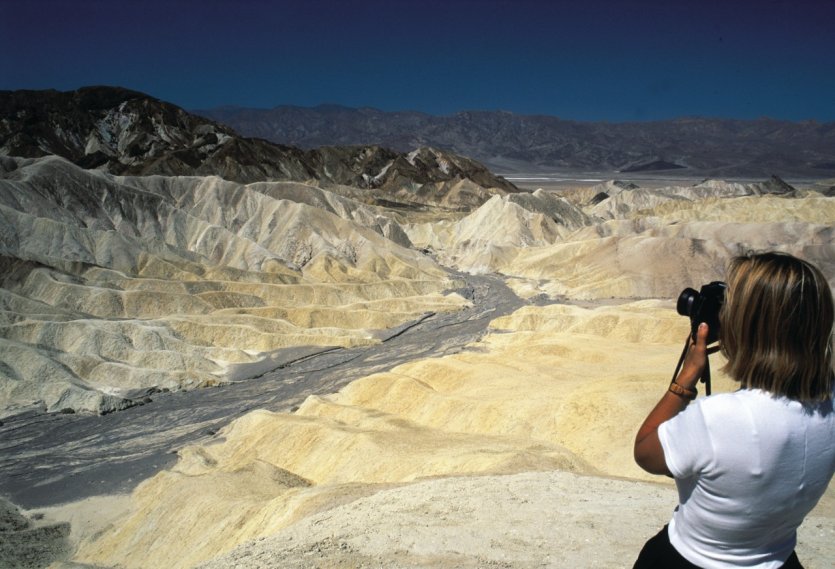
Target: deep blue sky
[586, 60]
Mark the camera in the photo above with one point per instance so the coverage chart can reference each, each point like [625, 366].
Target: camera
[703, 306]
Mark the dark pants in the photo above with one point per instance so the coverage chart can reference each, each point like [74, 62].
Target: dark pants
[659, 553]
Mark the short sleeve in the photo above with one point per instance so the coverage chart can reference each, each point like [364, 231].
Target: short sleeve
[686, 442]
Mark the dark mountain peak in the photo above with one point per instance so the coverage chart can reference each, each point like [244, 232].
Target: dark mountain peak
[93, 98]
[129, 133]
[653, 166]
[776, 185]
[104, 97]
[117, 129]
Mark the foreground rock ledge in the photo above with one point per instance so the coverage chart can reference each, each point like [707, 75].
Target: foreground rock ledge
[534, 519]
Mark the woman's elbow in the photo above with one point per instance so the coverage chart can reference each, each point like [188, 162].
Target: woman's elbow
[641, 457]
[649, 455]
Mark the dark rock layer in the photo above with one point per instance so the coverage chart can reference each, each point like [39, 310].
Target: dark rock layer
[129, 133]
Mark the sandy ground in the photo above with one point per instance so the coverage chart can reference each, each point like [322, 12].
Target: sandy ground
[537, 519]
[439, 463]
[534, 519]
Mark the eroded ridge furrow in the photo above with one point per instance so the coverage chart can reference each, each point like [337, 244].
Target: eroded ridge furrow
[114, 452]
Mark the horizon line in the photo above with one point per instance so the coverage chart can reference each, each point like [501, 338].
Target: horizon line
[235, 106]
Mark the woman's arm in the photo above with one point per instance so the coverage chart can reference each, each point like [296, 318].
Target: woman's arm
[648, 451]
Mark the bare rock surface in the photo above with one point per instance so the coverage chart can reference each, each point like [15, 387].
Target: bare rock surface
[637, 243]
[545, 393]
[27, 543]
[116, 287]
[534, 519]
[630, 201]
[429, 444]
[48, 459]
[127, 132]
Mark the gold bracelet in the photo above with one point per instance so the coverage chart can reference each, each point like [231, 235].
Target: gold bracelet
[681, 391]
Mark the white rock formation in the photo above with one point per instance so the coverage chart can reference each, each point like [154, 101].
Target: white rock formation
[114, 286]
[503, 223]
[545, 394]
[638, 243]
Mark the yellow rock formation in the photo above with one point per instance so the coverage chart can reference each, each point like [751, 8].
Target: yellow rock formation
[205, 274]
[564, 390]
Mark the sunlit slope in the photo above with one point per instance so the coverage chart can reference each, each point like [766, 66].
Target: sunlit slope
[561, 387]
[565, 390]
[635, 243]
[114, 286]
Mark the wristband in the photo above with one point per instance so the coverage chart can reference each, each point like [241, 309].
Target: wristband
[685, 392]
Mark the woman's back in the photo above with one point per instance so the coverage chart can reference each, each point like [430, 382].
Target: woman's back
[750, 466]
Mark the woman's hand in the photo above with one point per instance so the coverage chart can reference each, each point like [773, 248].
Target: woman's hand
[695, 360]
[648, 452]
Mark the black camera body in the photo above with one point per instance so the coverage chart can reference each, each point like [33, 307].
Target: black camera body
[703, 306]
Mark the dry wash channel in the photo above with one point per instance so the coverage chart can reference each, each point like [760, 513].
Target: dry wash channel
[547, 391]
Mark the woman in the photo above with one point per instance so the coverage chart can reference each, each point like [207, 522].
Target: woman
[748, 465]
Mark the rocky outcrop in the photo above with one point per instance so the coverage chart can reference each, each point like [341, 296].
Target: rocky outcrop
[30, 544]
[490, 235]
[620, 240]
[129, 133]
[422, 177]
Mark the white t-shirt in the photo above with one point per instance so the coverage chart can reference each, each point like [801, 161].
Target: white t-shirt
[748, 466]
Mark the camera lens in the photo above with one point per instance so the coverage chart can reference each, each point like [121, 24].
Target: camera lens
[686, 299]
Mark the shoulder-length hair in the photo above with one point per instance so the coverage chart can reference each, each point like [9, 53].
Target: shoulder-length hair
[776, 326]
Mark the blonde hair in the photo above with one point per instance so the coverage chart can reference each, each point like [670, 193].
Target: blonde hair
[776, 326]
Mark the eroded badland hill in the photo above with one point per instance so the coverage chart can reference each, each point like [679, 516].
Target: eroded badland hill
[126, 274]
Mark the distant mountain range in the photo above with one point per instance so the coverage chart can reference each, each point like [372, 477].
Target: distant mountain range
[130, 133]
[509, 143]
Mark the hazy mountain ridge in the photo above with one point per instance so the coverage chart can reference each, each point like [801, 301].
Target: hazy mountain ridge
[509, 142]
[129, 133]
